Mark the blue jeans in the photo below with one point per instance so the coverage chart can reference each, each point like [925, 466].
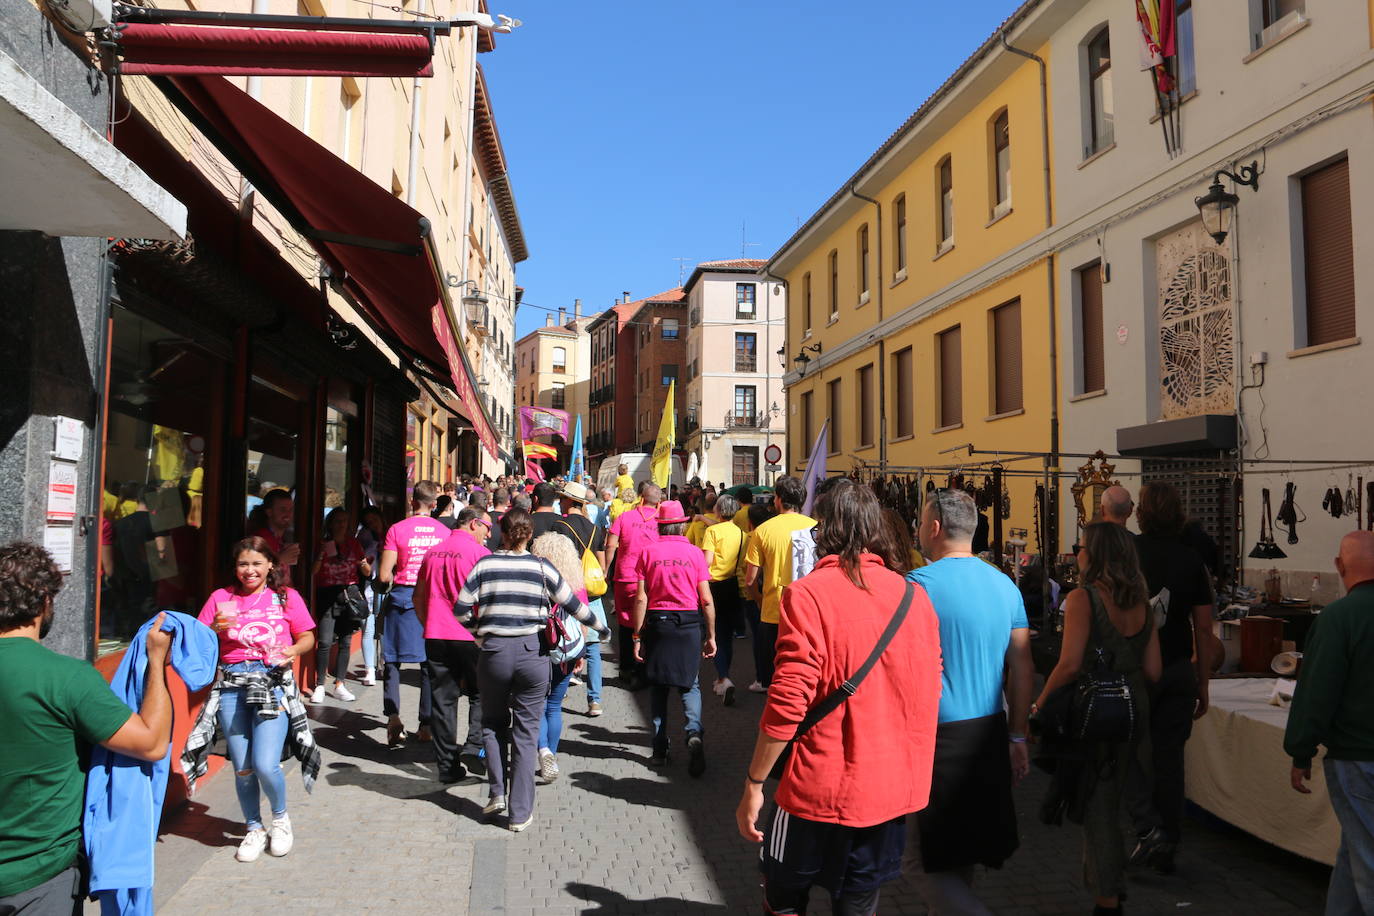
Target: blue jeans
[658, 709]
[593, 670]
[1350, 783]
[255, 746]
[551, 725]
[370, 628]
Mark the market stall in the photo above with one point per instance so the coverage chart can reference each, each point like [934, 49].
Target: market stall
[1237, 770]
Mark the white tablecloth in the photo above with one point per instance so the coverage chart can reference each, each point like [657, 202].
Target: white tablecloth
[1237, 770]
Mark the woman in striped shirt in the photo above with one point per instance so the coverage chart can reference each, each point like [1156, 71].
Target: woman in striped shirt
[505, 602]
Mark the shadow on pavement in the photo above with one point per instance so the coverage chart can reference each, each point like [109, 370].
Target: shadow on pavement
[608, 901]
[195, 822]
[652, 792]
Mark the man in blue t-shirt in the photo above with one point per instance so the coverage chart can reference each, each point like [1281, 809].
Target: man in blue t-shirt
[984, 642]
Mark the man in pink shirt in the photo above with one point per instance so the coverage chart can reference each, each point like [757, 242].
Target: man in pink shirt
[280, 510]
[403, 634]
[625, 541]
[674, 629]
[451, 653]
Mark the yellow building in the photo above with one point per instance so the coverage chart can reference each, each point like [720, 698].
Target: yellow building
[912, 325]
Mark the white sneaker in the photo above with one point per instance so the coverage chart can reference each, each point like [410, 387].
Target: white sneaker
[317, 696]
[341, 692]
[727, 692]
[369, 677]
[756, 687]
[495, 805]
[252, 845]
[718, 688]
[548, 765]
[280, 836]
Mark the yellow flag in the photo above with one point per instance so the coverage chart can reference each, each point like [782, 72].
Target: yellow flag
[661, 465]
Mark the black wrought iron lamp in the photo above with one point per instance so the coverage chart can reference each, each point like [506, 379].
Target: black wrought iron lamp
[1218, 205]
[782, 356]
[801, 360]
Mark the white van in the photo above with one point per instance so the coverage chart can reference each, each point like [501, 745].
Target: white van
[638, 463]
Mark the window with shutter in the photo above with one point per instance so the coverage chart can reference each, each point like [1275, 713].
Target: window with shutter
[808, 427]
[832, 391]
[806, 303]
[904, 392]
[1090, 328]
[1006, 325]
[1328, 254]
[865, 380]
[951, 378]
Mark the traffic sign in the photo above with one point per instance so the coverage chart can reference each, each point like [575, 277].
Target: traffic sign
[772, 454]
[772, 468]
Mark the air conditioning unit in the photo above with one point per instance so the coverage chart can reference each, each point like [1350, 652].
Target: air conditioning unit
[1280, 27]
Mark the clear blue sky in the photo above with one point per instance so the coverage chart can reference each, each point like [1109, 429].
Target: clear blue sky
[639, 131]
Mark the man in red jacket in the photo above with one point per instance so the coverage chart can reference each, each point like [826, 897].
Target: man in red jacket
[855, 775]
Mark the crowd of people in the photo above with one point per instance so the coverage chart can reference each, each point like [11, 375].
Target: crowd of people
[900, 714]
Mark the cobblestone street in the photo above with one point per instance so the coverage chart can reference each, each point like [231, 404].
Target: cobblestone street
[613, 835]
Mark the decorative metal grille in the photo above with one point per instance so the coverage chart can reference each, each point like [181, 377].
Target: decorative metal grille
[1196, 347]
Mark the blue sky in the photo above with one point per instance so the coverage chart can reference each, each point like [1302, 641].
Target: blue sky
[639, 131]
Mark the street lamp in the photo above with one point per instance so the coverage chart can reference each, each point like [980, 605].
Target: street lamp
[801, 360]
[1218, 206]
[782, 356]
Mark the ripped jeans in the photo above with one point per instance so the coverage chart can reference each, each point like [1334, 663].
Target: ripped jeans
[255, 747]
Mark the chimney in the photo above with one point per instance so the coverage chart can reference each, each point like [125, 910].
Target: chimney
[562, 316]
[627, 296]
[577, 308]
[548, 320]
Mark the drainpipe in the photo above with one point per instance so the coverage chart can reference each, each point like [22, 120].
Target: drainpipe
[879, 278]
[414, 164]
[766, 354]
[1049, 280]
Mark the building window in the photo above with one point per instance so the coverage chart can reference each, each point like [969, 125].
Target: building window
[899, 234]
[950, 378]
[832, 409]
[670, 328]
[558, 399]
[806, 303]
[560, 359]
[834, 284]
[1273, 19]
[746, 352]
[669, 374]
[745, 465]
[1006, 344]
[808, 424]
[904, 393]
[745, 294]
[1091, 366]
[1328, 254]
[865, 398]
[1001, 164]
[1101, 112]
[946, 213]
[1183, 43]
[863, 263]
[746, 406]
[694, 317]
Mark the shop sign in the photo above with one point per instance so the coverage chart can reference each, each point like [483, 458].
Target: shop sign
[69, 437]
[61, 491]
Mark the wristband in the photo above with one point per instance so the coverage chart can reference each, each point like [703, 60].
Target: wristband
[752, 781]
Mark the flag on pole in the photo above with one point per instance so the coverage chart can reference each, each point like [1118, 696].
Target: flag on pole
[661, 467]
[577, 463]
[1157, 41]
[815, 467]
[540, 450]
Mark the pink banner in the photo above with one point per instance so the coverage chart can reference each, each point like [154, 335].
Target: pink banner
[543, 421]
[533, 469]
[462, 384]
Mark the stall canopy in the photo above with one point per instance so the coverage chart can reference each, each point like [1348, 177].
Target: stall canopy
[379, 249]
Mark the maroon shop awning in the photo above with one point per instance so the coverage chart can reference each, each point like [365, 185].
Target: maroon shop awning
[170, 49]
[379, 248]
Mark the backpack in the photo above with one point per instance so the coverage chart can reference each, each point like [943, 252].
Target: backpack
[563, 638]
[593, 576]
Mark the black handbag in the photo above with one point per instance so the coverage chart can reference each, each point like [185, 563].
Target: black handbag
[1103, 707]
[355, 606]
[846, 690]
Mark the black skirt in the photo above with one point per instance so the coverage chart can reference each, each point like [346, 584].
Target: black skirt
[671, 643]
[971, 818]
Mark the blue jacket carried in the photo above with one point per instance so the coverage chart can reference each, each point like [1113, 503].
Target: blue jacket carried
[123, 795]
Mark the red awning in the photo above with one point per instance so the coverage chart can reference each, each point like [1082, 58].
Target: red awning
[153, 49]
[379, 247]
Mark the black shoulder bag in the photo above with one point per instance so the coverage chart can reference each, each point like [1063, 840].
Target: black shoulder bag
[846, 690]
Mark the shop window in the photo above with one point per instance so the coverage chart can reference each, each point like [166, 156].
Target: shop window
[161, 458]
[414, 423]
[338, 474]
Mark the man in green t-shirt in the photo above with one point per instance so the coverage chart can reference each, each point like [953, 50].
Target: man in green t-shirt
[52, 709]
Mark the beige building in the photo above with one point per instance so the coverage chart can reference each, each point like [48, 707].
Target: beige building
[553, 364]
[733, 379]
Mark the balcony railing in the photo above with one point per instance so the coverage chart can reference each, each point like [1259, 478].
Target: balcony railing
[734, 420]
[601, 395]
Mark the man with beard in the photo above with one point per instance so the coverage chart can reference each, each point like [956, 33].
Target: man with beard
[52, 710]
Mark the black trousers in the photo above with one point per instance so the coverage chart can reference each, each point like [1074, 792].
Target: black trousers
[1156, 799]
[452, 667]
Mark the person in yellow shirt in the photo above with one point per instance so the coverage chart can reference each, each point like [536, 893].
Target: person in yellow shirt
[697, 529]
[624, 480]
[745, 496]
[723, 544]
[624, 501]
[769, 562]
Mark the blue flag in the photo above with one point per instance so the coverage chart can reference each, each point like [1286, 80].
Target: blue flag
[577, 463]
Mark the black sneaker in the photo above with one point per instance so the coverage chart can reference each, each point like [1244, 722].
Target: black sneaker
[658, 759]
[455, 773]
[473, 764]
[1156, 850]
[696, 755]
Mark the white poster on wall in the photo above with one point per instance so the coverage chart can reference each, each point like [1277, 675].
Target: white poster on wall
[61, 491]
[60, 541]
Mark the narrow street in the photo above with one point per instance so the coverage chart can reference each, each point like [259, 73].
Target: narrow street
[613, 835]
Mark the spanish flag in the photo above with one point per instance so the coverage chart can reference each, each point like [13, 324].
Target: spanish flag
[662, 464]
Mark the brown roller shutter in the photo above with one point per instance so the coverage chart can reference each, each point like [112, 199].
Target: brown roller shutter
[866, 405]
[1328, 254]
[951, 379]
[808, 429]
[905, 393]
[1006, 321]
[832, 391]
[1090, 322]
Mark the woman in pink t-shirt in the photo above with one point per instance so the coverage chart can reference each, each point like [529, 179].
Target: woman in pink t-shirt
[262, 624]
[339, 564]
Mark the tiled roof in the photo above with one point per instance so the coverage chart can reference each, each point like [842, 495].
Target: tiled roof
[732, 265]
[627, 310]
